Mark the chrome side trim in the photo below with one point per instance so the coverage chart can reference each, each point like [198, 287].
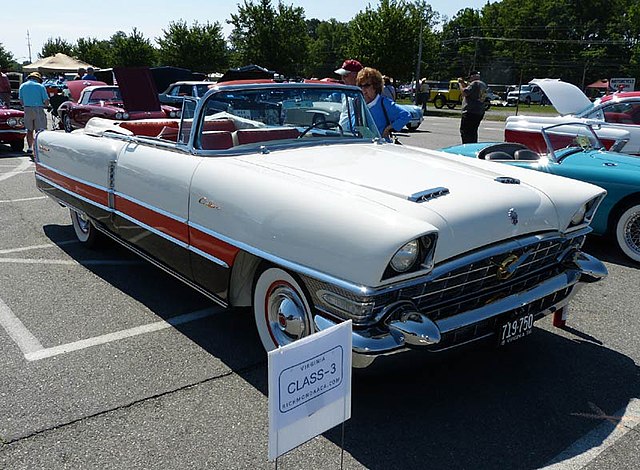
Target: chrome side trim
[71, 193]
[152, 230]
[208, 256]
[74, 178]
[151, 207]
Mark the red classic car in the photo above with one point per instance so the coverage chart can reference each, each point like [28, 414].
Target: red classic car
[134, 98]
[12, 130]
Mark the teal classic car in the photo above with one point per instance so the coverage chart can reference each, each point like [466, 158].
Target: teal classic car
[573, 150]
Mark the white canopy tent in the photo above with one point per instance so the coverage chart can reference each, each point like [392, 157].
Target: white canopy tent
[58, 63]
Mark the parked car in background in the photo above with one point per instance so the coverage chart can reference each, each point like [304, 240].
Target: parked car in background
[606, 115]
[106, 101]
[451, 96]
[261, 203]
[526, 94]
[12, 130]
[405, 91]
[573, 150]
[417, 116]
[175, 93]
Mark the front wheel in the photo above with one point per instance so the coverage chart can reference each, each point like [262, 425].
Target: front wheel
[411, 127]
[17, 145]
[627, 231]
[87, 234]
[439, 101]
[281, 309]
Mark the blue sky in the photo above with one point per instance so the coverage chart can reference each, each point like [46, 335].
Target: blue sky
[100, 19]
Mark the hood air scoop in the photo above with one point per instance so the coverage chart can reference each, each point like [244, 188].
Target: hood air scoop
[428, 194]
[507, 180]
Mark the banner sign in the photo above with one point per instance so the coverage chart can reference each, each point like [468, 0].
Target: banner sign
[309, 387]
[628, 84]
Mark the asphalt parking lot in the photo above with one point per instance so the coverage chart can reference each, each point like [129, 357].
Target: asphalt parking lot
[107, 362]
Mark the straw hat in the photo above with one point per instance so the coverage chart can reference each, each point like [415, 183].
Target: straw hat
[35, 75]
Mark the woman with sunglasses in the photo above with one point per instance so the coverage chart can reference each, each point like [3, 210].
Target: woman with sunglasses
[388, 116]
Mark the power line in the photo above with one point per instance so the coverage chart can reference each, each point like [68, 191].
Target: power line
[533, 40]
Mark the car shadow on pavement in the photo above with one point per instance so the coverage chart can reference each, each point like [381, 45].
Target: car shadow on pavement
[606, 249]
[516, 407]
[228, 334]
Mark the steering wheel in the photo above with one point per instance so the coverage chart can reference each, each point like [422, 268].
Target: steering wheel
[322, 124]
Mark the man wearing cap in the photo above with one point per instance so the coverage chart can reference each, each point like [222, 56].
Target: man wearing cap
[473, 94]
[348, 72]
[33, 97]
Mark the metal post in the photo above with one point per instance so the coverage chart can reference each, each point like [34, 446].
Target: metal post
[415, 99]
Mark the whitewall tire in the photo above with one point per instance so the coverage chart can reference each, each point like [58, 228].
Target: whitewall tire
[85, 231]
[281, 309]
[627, 232]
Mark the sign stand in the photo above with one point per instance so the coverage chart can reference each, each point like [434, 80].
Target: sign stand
[309, 389]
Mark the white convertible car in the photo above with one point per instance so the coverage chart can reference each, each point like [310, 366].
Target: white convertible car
[253, 203]
[615, 118]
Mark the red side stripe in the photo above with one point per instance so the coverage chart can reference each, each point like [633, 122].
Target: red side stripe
[94, 194]
[213, 246]
[173, 228]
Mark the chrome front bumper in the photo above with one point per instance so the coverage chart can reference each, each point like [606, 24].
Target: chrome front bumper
[419, 332]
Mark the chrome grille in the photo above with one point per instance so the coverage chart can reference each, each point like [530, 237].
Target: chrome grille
[477, 284]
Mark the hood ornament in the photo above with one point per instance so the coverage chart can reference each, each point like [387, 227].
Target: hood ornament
[513, 215]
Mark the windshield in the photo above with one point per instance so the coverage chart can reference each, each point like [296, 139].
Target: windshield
[104, 94]
[271, 115]
[565, 139]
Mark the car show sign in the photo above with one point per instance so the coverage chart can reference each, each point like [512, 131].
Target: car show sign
[628, 84]
[309, 387]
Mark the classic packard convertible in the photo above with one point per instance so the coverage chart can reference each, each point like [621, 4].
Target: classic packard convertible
[283, 197]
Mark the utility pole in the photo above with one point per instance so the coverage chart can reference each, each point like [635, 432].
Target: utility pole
[29, 45]
[415, 98]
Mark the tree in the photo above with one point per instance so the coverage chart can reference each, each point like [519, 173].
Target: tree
[131, 50]
[93, 51]
[329, 48]
[6, 59]
[199, 47]
[387, 38]
[275, 38]
[53, 46]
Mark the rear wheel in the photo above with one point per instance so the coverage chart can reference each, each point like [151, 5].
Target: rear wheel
[66, 123]
[451, 104]
[627, 231]
[87, 234]
[281, 309]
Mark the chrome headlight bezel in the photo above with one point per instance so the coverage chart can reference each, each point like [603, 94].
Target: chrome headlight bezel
[12, 122]
[415, 255]
[404, 259]
[584, 215]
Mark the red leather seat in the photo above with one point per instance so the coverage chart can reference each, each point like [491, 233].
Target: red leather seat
[220, 125]
[148, 128]
[216, 140]
[251, 136]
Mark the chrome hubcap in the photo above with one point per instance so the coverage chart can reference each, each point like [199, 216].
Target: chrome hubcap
[286, 315]
[632, 232]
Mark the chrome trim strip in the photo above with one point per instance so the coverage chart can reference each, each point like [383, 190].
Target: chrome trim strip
[74, 178]
[71, 193]
[428, 194]
[13, 131]
[152, 229]
[208, 256]
[150, 207]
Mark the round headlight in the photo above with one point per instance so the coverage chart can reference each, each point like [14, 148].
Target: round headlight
[118, 115]
[125, 115]
[12, 122]
[578, 217]
[405, 257]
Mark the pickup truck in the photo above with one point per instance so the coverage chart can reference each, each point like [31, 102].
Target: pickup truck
[451, 97]
[527, 94]
[263, 196]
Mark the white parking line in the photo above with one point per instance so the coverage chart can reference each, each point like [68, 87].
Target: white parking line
[118, 335]
[25, 199]
[17, 331]
[586, 449]
[69, 262]
[37, 247]
[19, 169]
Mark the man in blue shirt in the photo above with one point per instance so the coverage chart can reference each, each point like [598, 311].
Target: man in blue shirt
[89, 75]
[33, 97]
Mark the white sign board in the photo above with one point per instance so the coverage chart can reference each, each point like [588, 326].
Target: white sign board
[309, 387]
[628, 84]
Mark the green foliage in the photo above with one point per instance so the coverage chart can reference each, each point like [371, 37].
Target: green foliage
[6, 59]
[53, 46]
[272, 37]
[198, 47]
[94, 52]
[387, 38]
[327, 48]
[131, 50]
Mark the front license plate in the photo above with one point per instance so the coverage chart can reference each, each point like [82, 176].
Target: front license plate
[514, 329]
